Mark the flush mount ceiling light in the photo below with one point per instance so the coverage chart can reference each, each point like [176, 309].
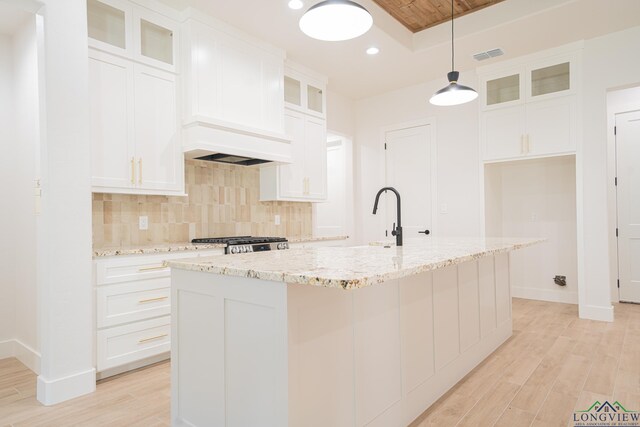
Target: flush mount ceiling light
[295, 4]
[335, 20]
[453, 94]
[372, 50]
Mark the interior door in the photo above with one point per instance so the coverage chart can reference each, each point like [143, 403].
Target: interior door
[408, 167]
[628, 195]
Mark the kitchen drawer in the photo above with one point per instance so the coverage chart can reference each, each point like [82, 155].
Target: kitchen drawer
[127, 268]
[133, 301]
[120, 345]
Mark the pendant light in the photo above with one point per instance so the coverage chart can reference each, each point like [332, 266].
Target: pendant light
[453, 94]
[335, 20]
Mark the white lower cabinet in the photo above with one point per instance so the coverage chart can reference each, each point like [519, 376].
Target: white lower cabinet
[305, 178]
[133, 310]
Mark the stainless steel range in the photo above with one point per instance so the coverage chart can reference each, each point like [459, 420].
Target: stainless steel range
[247, 244]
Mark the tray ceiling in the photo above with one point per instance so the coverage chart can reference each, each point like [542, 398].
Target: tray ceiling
[418, 15]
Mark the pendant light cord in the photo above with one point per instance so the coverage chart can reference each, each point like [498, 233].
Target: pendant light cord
[452, 48]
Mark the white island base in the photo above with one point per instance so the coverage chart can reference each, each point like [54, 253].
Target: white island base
[251, 352]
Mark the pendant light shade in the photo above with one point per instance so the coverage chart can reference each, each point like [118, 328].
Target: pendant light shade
[453, 94]
[335, 20]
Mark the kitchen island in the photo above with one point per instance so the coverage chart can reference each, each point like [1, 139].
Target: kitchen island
[368, 335]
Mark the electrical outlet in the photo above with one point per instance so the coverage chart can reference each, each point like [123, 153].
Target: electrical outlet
[143, 223]
[276, 220]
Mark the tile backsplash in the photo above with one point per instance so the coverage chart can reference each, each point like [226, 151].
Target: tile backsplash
[223, 200]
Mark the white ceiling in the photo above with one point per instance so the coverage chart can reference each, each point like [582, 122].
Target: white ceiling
[11, 17]
[518, 27]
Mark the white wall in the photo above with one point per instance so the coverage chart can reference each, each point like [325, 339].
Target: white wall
[340, 114]
[24, 159]
[618, 101]
[609, 62]
[536, 198]
[7, 237]
[457, 156]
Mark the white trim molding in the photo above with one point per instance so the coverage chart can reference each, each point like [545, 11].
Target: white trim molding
[25, 354]
[545, 295]
[593, 312]
[53, 391]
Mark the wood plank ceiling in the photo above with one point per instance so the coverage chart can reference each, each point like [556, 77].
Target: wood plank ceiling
[418, 15]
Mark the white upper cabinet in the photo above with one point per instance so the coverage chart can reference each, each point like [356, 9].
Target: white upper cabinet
[304, 91]
[231, 78]
[157, 146]
[126, 29]
[111, 120]
[529, 107]
[305, 178]
[135, 141]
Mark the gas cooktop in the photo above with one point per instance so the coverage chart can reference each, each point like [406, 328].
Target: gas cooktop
[246, 244]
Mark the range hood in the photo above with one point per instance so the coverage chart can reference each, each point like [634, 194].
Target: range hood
[210, 139]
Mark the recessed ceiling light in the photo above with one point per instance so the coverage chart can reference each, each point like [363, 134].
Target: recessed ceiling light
[335, 20]
[295, 4]
[373, 50]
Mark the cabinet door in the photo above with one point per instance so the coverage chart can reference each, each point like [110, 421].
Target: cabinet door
[551, 126]
[159, 162]
[111, 121]
[292, 176]
[155, 39]
[315, 164]
[502, 133]
[109, 25]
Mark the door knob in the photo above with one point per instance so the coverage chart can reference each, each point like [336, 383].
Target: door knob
[425, 232]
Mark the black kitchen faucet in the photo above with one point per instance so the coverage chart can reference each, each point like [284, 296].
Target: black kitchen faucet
[397, 231]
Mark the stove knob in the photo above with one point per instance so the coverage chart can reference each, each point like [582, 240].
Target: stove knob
[249, 248]
[243, 249]
[283, 245]
[234, 250]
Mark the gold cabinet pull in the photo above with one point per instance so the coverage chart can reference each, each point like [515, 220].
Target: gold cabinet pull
[146, 301]
[157, 337]
[140, 170]
[155, 267]
[133, 170]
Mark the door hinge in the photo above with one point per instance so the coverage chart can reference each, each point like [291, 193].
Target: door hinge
[386, 233]
[616, 181]
[618, 283]
[615, 130]
[616, 232]
[385, 145]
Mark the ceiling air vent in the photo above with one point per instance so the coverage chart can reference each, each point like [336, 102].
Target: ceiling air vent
[481, 56]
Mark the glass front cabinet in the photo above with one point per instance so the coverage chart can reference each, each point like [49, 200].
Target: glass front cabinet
[529, 109]
[304, 92]
[122, 28]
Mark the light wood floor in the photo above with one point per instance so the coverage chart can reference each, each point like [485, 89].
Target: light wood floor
[553, 364]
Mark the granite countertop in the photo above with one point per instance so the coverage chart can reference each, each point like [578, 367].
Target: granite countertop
[178, 247]
[354, 267]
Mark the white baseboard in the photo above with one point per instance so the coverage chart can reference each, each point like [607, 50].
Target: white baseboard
[28, 356]
[6, 349]
[25, 354]
[550, 295]
[593, 312]
[51, 392]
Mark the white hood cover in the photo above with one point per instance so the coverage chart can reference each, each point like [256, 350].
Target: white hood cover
[206, 136]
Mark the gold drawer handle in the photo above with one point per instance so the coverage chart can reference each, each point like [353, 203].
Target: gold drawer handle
[155, 267]
[144, 340]
[145, 301]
